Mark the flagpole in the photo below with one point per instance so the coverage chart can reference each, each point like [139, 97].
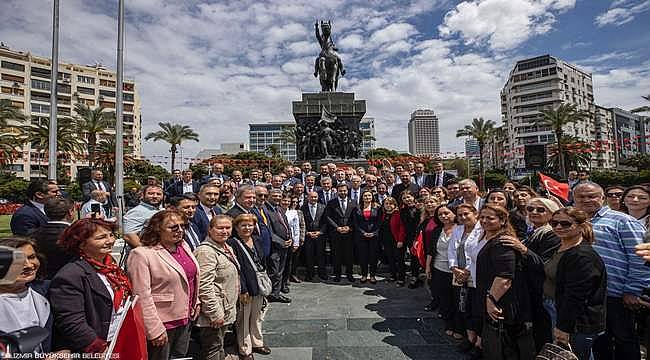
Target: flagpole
[119, 109]
[54, 74]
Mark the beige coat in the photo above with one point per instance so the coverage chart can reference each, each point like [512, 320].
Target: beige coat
[219, 283]
[162, 286]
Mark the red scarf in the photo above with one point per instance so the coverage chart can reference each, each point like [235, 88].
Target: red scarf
[116, 277]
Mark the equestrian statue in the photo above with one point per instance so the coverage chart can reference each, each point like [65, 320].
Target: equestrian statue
[328, 65]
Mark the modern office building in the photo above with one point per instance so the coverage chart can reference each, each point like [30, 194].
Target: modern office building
[472, 153]
[261, 136]
[224, 149]
[424, 133]
[631, 133]
[25, 81]
[536, 84]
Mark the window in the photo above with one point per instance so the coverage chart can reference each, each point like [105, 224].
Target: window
[63, 76]
[63, 88]
[127, 97]
[128, 87]
[40, 120]
[18, 79]
[107, 93]
[127, 107]
[107, 104]
[127, 118]
[63, 111]
[40, 72]
[108, 83]
[85, 90]
[13, 91]
[85, 79]
[40, 84]
[40, 108]
[12, 66]
[37, 96]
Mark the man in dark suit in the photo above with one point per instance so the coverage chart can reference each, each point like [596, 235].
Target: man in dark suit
[264, 225]
[310, 184]
[279, 246]
[187, 204]
[406, 184]
[31, 216]
[217, 172]
[97, 183]
[315, 228]
[186, 185]
[440, 177]
[326, 193]
[306, 171]
[207, 208]
[339, 217]
[60, 213]
[420, 178]
[169, 183]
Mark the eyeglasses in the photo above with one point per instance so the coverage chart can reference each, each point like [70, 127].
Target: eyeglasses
[177, 227]
[539, 210]
[563, 224]
[616, 194]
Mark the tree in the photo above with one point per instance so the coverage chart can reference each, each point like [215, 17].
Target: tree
[481, 130]
[639, 161]
[273, 150]
[557, 120]
[174, 134]
[575, 153]
[381, 153]
[140, 170]
[67, 139]
[105, 150]
[92, 122]
[9, 112]
[10, 141]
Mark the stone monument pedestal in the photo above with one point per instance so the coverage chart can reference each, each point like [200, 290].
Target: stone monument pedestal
[340, 113]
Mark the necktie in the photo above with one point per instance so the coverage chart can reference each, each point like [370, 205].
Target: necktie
[312, 210]
[266, 221]
[344, 205]
[212, 213]
[327, 197]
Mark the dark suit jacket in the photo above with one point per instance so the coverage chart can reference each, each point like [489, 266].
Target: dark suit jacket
[247, 274]
[27, 219]
[235, 211]
[208, 177]
[367, 226]
[281, 233]
[176, 189]
[318, 223]
[89, 186]
[321, 196]
[426, 181]
[202, 222]
[82, 306]
[336, 217]
[266, 235]
[445, 179]
[399, 188]
[55, 256]
[302, 176]
[315, 188]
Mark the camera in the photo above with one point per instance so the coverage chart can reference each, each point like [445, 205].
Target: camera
[11, 264]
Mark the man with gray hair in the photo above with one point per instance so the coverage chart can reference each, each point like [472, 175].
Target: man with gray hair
[469, 192]
[244, 201]
[616, 234]
[280, 244]
[326, 193]
[100, 200]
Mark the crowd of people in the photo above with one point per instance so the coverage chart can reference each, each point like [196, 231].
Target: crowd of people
[508, 271]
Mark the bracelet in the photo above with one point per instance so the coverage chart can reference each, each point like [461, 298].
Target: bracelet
[492, 298]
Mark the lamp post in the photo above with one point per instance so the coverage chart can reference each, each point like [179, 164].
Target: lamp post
[119, 110]
[54, 74]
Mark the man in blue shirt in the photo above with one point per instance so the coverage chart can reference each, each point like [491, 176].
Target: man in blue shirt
[616, 236]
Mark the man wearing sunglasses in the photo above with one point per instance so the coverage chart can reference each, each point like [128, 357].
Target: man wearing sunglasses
[616, 234]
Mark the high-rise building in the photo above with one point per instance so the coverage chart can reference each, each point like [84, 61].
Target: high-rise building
[25, 81]
[472, 153]
[424, 133]
[631, 133]
[536, 84]
[261, 136]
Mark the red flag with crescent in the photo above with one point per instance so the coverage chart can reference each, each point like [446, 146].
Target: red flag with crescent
[555, 187]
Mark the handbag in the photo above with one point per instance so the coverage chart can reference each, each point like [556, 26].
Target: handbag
[552, 351]
[263, 280]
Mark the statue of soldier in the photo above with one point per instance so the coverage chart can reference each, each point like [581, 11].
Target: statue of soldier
[327, 46]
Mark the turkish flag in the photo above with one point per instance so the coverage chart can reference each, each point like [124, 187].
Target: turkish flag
[555, 187]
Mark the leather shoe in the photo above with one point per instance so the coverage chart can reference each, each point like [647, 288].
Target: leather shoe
[323, 277]
[264, 350]
[350, 278]
[284, 290]
[337, 279]
[295, 279]
[285, 299]
[278, 298]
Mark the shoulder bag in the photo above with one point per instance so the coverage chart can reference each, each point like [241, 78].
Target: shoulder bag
[263, 280]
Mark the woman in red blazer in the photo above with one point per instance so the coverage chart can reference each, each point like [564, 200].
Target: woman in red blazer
[165, 275]
[392, 235]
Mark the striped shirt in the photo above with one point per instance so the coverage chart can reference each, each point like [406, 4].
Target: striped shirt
[616, 235]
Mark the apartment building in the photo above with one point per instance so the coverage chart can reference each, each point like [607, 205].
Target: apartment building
[543, 83]
[25, 81]
[424, 133]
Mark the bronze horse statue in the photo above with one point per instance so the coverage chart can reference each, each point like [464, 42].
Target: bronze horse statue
[328, 66]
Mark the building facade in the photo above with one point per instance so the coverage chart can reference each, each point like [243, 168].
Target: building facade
[25, 81]
[631, 133]
[261, 136]
[534, 85]
[225, 149]
[424, 133]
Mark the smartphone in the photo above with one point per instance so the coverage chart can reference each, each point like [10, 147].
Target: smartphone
[95, 209]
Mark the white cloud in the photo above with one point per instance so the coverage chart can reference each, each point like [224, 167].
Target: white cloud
[622, 12]
[392, 33]
[622, 87]
[502, 24]
[352, 41]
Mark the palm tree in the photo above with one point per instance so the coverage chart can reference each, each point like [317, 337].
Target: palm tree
[575, 154]
[9, 112]
[92, 122]
[557, 119]
[106, 155]
[68, 142]
[481, 130]
[174, 134]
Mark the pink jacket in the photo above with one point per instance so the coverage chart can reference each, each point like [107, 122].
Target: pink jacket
[162, 286]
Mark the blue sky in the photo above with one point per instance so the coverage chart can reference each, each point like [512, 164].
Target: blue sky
[219, 65]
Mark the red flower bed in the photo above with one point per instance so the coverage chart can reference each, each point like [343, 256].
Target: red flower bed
[9, 209]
